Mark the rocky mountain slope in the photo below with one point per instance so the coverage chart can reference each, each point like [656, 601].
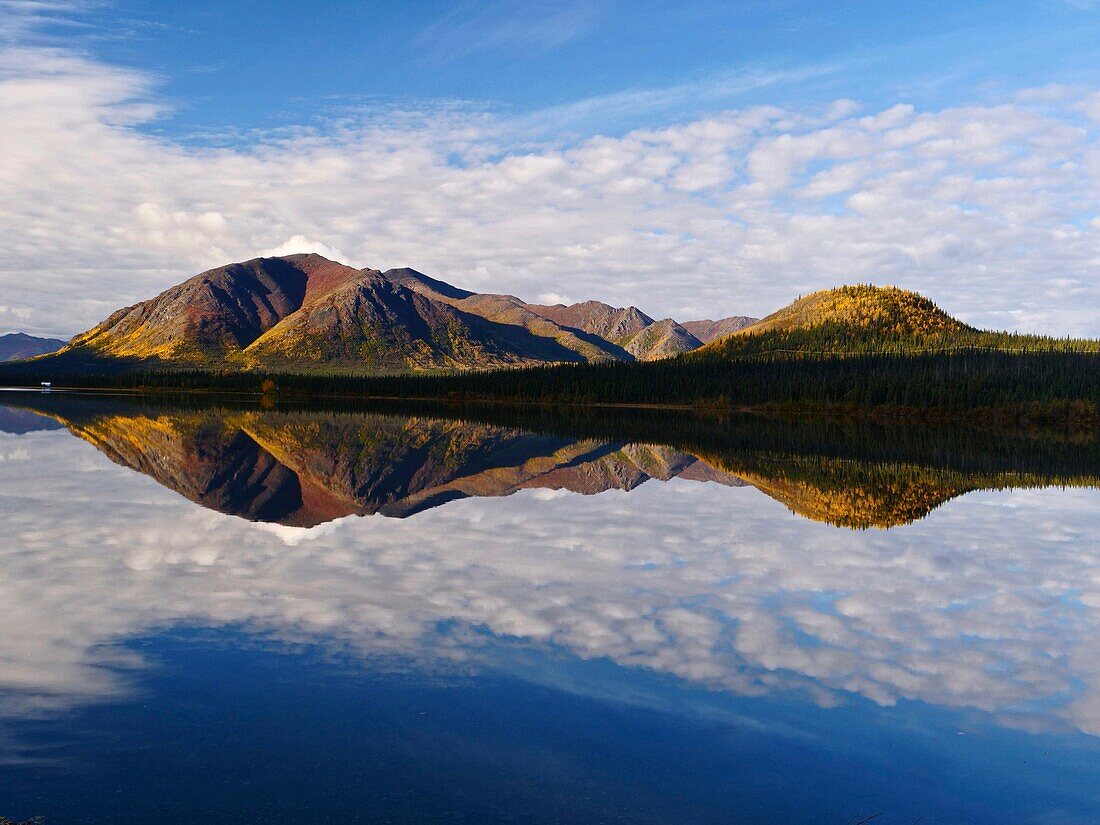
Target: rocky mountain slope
[305, 312]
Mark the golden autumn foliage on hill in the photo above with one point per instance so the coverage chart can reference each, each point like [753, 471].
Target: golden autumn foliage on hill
[859, 495]
[871, 320]
[889, 310]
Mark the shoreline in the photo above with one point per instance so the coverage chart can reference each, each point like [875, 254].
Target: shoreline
[994, 418]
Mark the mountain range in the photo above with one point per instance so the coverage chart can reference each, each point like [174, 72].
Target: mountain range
[305, 312]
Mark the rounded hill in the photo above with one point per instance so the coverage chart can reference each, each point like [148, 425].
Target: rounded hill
[885, 308]
[844, 320]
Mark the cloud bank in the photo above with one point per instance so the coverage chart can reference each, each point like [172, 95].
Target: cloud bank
[990, 209]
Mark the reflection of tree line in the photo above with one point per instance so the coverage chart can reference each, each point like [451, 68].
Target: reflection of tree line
[305, 467]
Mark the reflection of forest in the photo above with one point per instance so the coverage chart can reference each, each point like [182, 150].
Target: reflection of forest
[306, 467]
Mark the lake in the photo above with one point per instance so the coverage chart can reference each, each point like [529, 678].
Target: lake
[216, 611]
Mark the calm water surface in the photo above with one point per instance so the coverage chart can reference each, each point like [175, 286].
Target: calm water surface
[255, 616]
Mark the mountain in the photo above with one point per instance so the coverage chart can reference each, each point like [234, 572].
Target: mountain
[18, 345]
[307, 313]
[376, 324]
[661, 339]
[613, 324]
[708, 330]
[882, 309]
[216, 314]
[433, 288]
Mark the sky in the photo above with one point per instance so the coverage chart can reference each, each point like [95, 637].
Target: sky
[696, 159]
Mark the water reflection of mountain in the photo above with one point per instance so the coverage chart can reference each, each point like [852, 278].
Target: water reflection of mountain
[21, 422]
[304, 468]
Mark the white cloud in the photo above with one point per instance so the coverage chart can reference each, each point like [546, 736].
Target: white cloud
[984, 208]
[551, 298]
[300, 243]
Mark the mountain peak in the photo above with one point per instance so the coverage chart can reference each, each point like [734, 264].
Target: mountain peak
[217, 312]
[619, 325]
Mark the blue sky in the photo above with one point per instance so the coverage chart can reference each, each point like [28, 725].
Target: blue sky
[232, 66]
[695, 159]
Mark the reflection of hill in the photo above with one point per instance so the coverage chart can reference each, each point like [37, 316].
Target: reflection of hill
[862, 494]
[307, 467]
[858, 494]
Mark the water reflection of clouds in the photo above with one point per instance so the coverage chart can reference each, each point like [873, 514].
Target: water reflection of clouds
[989, 603]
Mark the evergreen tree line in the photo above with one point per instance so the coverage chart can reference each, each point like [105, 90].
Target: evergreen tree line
[1048, 385]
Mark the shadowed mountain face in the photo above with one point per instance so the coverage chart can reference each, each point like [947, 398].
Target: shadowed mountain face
[305, 312]
[306, 468]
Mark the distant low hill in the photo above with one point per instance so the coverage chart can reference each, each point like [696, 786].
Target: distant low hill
[307, 313]
[18, 345]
